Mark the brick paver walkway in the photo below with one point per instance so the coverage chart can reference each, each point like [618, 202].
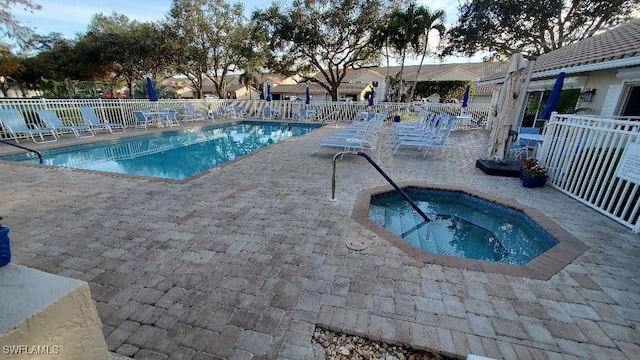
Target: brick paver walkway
[246, 260]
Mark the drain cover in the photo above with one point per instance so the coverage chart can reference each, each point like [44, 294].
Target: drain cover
[358, 244]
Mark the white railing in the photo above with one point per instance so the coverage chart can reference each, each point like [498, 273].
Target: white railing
[583, 154]
[121, 110]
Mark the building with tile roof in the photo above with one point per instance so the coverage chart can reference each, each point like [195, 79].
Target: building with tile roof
[605, 68]
[357, 83]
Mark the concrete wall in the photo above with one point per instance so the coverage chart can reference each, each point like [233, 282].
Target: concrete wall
[45, 316]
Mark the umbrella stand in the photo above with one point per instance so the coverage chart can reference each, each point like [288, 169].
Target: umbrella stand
[514, 113]
[521, 106]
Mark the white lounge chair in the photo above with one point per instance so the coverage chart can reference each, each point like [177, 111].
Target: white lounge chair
[92, 120]
[428, 141]
[190, 114]
[366, 139]
[428, 130]
[14, 123]
[53, 121]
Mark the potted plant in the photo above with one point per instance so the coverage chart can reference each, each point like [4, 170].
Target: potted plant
[533, 173]
[5, 249]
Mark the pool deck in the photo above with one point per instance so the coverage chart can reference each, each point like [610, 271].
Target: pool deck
[245, 261]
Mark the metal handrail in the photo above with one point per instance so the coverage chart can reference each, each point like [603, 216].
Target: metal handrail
[395, 186]
[24, 148]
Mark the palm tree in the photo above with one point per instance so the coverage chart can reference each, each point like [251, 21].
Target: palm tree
[430, 21]
[404, 31]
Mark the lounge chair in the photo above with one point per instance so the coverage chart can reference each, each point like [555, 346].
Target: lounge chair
[227, 111]
[270, 113]
[428, 141]
[191, 114]
[359, 140]
[306, 114]
[429, 129]
[92, 120]
[53, 121]
[14, 123]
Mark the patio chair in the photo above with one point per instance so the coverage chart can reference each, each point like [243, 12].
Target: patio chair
[240, 111]
[190, 114]
[429, 142]
[270, 113]
[14, 123]
[523, 146]
[429, 129]
[168, 117]
[228, 110]
[51, 118]
[144, 118]
[355, 141]
[305, 114]
[91, 119]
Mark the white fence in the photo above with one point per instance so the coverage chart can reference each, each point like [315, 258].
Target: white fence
[583, 155]
[121, 110]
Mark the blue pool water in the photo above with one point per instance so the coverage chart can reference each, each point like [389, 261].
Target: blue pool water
[487, 231]
[171, 155]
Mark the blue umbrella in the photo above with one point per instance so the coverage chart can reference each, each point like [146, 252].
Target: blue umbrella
[268, 98]
[307, 100]
[371, 96]
[552, 103]
[465, 98]
[152, 90]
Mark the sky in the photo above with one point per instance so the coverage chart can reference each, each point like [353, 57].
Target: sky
[72, 17]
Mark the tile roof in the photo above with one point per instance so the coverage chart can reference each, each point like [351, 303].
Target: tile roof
[432, 71]
[620, 42]
[317, 89]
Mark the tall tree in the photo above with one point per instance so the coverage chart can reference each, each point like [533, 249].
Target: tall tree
[404, 31]
[321, 39]
[431, 21]
[10, 28]
[213, 37]
[128, 48]
[532, 27]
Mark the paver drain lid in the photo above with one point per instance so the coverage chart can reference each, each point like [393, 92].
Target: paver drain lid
[358, 244]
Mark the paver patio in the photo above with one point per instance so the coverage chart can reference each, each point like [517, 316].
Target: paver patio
[244, 261]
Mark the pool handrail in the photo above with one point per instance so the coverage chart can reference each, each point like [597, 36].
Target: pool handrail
[395, 186]
[24, 148]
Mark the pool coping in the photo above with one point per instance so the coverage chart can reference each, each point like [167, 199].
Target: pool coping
[542, 267]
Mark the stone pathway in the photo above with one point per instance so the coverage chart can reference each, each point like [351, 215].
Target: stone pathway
[245, 261]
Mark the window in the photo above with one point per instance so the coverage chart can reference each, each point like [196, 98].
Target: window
[631, 105]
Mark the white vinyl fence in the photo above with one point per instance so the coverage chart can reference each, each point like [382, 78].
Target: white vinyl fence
[121, 110]
[584, 154]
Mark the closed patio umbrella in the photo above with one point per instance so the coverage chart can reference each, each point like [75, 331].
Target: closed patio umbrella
[554, 98]
[465, 98]
[372, 96]
[268, 98]
[506, 110]
[153, 96]
[307, 98]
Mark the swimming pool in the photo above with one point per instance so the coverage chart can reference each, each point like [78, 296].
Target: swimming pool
[175, 155]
